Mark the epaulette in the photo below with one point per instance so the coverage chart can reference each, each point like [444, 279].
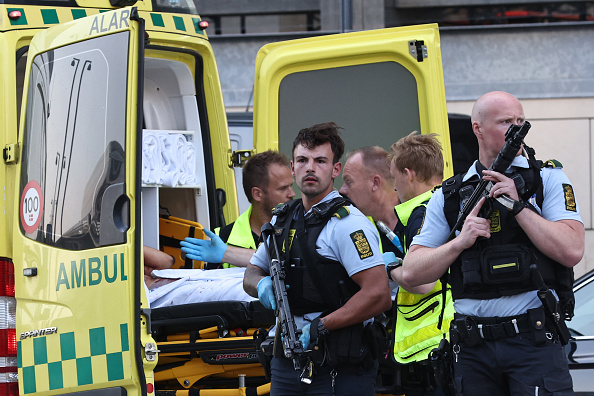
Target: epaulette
[341, 212]
[552, 163]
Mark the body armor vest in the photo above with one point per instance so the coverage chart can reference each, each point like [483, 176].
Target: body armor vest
[316, 283]
[500, 266]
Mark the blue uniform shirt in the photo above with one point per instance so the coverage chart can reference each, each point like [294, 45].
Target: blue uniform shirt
[436, 230]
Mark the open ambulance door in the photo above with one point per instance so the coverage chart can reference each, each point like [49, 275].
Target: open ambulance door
[378, 85]
[77, 242]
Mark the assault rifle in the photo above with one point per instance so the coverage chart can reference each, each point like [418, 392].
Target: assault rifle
[551, 305]
[292, 348]
[513, 142]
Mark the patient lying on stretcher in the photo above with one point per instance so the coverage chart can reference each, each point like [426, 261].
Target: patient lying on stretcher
[168, 286]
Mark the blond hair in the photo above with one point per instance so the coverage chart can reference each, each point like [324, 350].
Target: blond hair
[420, 153]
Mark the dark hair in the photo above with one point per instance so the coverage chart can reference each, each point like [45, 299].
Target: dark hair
[255, 170]
[318, 135]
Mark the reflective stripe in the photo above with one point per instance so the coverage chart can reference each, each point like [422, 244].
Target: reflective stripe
[62, 360]
[42, 17]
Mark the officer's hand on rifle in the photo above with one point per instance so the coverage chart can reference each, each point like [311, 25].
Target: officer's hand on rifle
[202, 250]
[474, 227]
[265, 293]
[502, 185]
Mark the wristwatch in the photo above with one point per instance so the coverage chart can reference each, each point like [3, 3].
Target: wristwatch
[518, 207]
[394, 265]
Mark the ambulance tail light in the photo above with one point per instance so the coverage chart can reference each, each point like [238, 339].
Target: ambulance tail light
[8, 342]
[6, 278]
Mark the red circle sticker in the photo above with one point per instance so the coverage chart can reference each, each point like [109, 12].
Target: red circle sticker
[31, 206]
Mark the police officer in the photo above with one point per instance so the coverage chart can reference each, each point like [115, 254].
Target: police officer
[506, 343]
[368, 183]
[335, 274]
[416, 163]
[267, 181]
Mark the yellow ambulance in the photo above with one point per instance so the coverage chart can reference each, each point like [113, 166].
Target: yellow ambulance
[95, 94]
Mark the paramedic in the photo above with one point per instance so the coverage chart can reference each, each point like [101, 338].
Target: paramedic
[416, 162]
[505, 344]
[335, 267]
[267, 181]
[368, 183]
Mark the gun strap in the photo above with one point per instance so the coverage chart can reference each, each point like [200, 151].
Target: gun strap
[444, 289]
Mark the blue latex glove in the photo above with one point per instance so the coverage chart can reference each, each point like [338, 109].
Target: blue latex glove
[203, 250]
[389, 257]
[265, 293]
[305, 336]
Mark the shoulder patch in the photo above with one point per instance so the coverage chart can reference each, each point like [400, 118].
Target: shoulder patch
[569, 198]
[552, 163]
[341, 212]
[361, 244]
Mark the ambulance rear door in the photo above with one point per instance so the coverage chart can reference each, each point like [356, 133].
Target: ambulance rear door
[77, 242]
[379, 85]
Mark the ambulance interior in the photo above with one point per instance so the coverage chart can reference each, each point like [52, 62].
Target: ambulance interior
[207, 344]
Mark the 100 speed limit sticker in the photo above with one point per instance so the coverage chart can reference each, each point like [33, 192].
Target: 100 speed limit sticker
[31, 206]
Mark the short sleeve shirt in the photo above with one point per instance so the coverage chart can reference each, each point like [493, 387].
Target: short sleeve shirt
[435, 231]
[341, 240]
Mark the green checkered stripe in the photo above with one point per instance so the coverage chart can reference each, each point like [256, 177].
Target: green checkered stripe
[46, 17]
[59, 360]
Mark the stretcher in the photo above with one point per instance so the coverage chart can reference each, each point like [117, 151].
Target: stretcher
[173, 230]
[209, 348]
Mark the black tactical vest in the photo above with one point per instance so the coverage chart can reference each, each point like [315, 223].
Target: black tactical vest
[500, 265]
[316, 283]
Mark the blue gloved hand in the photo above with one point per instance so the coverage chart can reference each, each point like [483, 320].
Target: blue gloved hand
[389, 257]
[305, 336]
[265, 293]
[203, 250]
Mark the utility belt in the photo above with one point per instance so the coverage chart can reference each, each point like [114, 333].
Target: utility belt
[473, 330]
[356, 346]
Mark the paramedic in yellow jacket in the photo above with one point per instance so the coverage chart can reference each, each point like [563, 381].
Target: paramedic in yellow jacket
[267, 181]
[416, 162]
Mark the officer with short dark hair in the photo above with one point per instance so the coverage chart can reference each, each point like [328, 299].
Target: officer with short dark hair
[335, 275]
[504, 341]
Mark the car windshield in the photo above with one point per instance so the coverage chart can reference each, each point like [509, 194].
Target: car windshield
[583, 321]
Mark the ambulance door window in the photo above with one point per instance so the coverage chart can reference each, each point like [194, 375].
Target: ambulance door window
[20, 77]
[375, 104]
[73, 172]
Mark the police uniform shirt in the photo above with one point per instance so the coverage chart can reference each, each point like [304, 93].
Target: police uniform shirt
[556, 206]
[338, 242]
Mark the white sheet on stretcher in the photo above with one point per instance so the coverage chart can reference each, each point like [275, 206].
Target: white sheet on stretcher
[196, 285]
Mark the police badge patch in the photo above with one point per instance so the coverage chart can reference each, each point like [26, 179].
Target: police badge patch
[361, 244]
[569, 198]
[495, 219]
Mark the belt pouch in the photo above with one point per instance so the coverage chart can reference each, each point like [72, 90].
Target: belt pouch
[468, 331]
[345, 346]
[537, 326]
